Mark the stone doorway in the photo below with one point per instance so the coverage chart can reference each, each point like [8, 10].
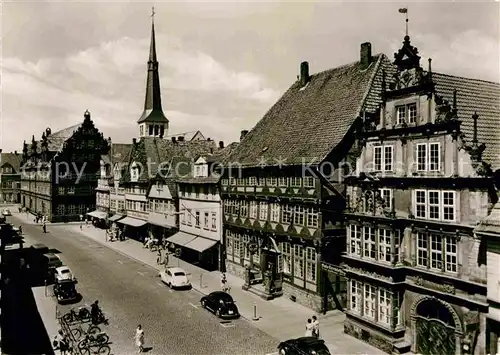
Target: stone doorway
[436, 327]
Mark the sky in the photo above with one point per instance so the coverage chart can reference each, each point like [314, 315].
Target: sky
[222, 64]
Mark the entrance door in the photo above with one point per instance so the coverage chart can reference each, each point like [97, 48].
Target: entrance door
[435, 329]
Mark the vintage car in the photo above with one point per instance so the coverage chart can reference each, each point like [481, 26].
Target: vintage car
[6, 212]
[175, 277]
[65, 291]
[64, 273]
[220, 303]
[303, 346]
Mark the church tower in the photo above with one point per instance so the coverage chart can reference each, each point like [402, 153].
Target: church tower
[153, 122]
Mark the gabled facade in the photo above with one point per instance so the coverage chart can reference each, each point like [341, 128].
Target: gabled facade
[415, 269]
[10, 177]
[282, 187]
[60, 172]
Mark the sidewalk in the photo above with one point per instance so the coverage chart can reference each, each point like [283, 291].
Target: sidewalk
[280, 318]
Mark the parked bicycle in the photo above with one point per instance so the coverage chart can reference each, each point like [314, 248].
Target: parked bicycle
[93, 340]
[96, 349]
[82, 314]
[79, 332]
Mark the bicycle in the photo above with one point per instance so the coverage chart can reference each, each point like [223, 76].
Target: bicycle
[79, 332]
[226, 288]
[101, 349]
[83, 314]
[92, 341]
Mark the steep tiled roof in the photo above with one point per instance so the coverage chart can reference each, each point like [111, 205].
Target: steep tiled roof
[178, 155]
[478, 96]
[57, 139]
[221, 155]
[120, 152]
[187, 135]
[306, 124]
[14, 160]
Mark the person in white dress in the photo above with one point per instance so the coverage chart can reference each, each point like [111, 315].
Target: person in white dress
[309, 328]
[139, 338]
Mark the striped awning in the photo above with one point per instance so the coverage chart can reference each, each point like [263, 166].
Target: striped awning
[133, 222]
[181, 238]
[200, 244]
[115, 217]
[98, 214]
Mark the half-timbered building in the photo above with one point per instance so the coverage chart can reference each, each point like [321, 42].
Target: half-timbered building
[423, 179]
[60, 172]
[10, 177]
[282, 187]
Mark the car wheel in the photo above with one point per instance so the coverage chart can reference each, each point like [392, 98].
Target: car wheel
[170, 284]
[203, 303]
[282, 352]
[217, 313]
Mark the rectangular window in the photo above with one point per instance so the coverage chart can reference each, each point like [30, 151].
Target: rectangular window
[451, 254]
[229, 246]
[420, 204]
[225, 182]
[433, 206]
[355, 239]
[298, 261]
[377, 158]
[384, 306]
[308, 181]
[189, 218]
[422, 249]
[311, 265]
[252, 181]
[369, 301]
[263, 211]
[421, 157]
[282, 182]
[434, 156]
[412, 113]
[388, 157]
[449, 205]
[295, 181]
[271, 181]
[246, 241]
[286, 250]
[286, 216]
[299, 215]
[356, 296]
[401, 114]
[197, 220]
[384, 245]
[262, 181]
[214, 221]
[312, 217]
[369, 242]
[436, 252]
[205, 224]
[275, 212]
[237, 248]
[386, 195]
[243, 209]
[383, 157]
[253, 209]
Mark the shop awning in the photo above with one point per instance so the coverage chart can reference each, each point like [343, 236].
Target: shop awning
[200, 244]
[181, 238]
[98, 214]
[133, 222]
[115, 217]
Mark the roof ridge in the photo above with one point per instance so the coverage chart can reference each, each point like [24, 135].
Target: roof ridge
[345, 66]
[467, 78]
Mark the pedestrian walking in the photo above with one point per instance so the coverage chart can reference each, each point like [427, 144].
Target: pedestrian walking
[139, 338]
[309, 328]
[44, 227]
[158, 257]
[315, 323]
[165, 258]
[81, 226]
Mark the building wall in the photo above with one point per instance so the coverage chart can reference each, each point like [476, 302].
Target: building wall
[209, 211]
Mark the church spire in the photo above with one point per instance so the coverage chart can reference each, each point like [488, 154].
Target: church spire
[153, 119]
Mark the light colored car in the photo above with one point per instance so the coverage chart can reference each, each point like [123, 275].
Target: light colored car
[64, 273]
[6, 212]
[175, 277]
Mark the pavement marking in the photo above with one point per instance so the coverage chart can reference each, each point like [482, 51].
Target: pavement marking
[140, 273]
[192, 305]
[226, 325]
[121, 262]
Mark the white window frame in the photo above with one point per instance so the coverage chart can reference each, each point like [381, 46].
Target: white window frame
[311, 265]
[275, 212]
[252, 181]
[287, 215]
[411, 119]
[384, 306]
[369, 242]
[355, 240]
[308, 181]
[282, 181]
[422, 249]
[298, 261]
[384, 236]
[386, 163]
[369, 301]
[263, 209]
[286, 250]
[206, 219]
[400, 114]
[298, 216]
[425, 161]
[436, 252]
[253, 210]
[442, 207]
[356, 296]
[386, 195]
[312, 218]
[214, 221]
[451, 252]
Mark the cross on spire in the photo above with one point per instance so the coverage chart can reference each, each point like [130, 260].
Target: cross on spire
[153, 14]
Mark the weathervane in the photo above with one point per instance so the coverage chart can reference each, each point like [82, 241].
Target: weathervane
[404, 10]
[153, 14]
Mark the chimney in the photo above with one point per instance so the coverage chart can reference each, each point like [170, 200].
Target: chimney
[0, 150]
[181, 139]
[221, 144]
[304, 73]
[173, 140]
[365, 57]
[209, 139]
[15, 152]
[243, 134]
[134, 141]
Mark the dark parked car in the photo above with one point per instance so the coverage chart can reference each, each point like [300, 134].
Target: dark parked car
[65, 291]
[303, 346]
[220, 303]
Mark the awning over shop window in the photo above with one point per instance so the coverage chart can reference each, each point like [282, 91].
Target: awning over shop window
[98, 214]
[133, 222]
[115, 217]
[181, 238]
[200, 244]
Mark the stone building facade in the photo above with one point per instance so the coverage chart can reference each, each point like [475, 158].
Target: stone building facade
[10, 177]
[424, 178]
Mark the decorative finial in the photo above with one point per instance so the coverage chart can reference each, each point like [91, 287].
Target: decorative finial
[404, 10]
[474, 136]
[153, 14]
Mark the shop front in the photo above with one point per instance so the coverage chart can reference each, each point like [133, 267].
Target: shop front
[159, 228]
[200, 251]
[133, 228]
[99, 218]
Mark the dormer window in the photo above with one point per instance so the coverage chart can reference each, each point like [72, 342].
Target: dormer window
[406, 113]
[134, 172]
